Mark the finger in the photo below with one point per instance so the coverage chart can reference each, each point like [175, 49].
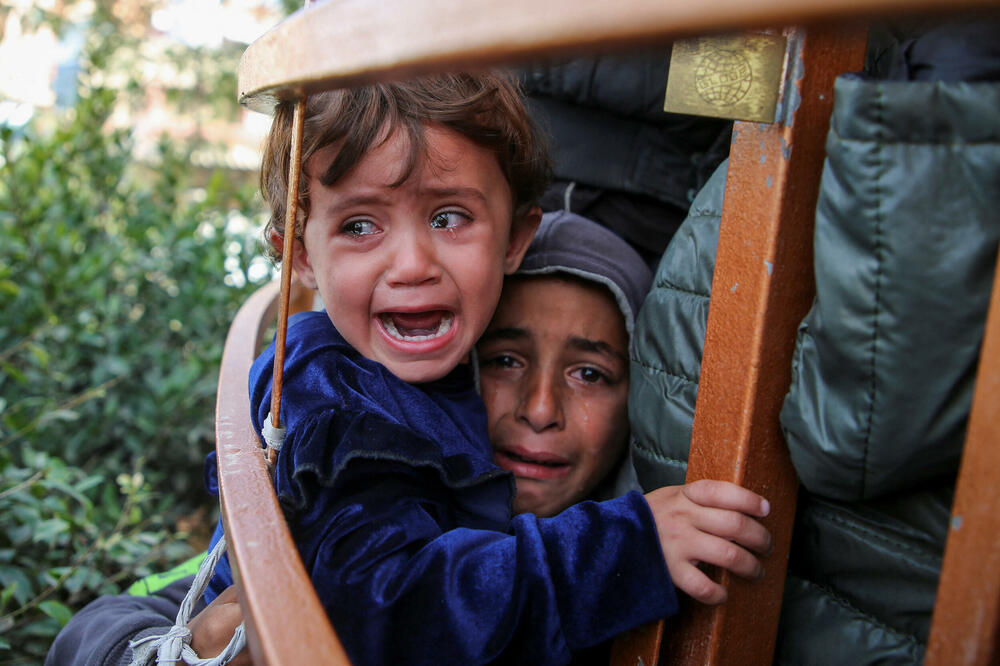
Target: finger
[692, 581]
[213, 628]
[242, 659]
[726, 555]
[726, 495]
[734, 526]
[227, 596]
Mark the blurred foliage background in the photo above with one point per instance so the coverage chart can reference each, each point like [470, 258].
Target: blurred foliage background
[118, 279]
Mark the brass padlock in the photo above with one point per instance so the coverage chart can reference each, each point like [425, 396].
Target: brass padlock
[731, 76]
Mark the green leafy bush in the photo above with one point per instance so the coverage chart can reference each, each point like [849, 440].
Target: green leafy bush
[118, 281]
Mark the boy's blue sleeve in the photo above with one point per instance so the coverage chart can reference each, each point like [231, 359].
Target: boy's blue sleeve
[400, 590]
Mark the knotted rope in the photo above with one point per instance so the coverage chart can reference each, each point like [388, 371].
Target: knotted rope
[175, 645]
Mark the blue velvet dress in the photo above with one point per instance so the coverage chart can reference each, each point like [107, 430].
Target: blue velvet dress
[404, 522]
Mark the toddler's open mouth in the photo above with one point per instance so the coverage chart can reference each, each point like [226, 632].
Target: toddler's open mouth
[417, 326]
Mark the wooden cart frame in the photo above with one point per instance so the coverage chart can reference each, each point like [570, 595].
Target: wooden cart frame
[767, 222]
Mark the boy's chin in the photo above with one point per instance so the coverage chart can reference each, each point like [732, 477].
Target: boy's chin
[540, 505]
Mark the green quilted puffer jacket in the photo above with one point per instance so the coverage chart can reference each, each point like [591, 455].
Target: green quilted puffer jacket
[907, 228]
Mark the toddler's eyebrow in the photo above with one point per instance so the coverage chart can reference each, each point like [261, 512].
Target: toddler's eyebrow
[459, 192]
[351, 201]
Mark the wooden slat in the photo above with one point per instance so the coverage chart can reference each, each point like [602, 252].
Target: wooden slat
[762, 288]
[347, 42]
[285, 622]
[966, 626]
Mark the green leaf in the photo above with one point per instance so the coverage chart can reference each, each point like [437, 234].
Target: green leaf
[40, 354]
[5, 596]
[48, 530]
[13, 372]
[58, 415]
[17, 582]
[58, 611]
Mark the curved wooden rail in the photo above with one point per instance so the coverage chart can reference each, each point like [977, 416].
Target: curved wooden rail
[261, 551]
[348, 42]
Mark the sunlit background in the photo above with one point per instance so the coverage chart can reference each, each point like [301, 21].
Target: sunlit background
[129, 236]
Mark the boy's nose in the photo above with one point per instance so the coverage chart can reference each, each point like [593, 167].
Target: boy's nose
[540, 403]
[414, 261]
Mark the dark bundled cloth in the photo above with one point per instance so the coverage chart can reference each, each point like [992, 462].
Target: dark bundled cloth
[404, 522]
[966, 49]
[620, 159]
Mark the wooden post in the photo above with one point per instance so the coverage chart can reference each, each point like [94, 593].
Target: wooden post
[965, 630]
[762, 288]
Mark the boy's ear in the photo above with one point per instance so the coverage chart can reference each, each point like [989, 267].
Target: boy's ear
[522, 230]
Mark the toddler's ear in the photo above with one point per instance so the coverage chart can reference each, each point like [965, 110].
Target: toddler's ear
[302, 265]
[522, 230]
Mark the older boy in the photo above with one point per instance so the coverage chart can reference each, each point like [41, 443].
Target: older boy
[554, 365]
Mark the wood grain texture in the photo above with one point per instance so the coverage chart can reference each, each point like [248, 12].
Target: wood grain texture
[965, 630]
[284, 620]
[349, 42]
[762, 287]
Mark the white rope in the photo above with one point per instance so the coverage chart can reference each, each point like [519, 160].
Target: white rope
[274, 437]
[568, 197]
[175, 645]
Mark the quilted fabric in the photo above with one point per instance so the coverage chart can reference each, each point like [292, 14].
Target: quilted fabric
[906, 244]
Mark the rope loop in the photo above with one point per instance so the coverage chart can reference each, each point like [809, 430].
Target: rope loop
[274, 437]
[175, 645]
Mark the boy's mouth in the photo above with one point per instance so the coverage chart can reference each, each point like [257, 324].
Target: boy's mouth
[417, 326]
[531, 465]
[532, 461]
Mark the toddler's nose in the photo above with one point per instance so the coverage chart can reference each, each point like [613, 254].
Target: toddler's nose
[414, 261]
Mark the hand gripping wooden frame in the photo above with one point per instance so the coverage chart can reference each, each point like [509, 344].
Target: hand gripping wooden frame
[750, 333]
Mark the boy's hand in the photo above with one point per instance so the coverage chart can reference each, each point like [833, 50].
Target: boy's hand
[213, 628]
[712, 522]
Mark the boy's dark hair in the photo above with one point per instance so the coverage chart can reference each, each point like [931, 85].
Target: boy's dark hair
[486, 108]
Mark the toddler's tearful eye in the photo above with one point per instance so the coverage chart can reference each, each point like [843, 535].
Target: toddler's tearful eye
[359, 228]
[449, 220]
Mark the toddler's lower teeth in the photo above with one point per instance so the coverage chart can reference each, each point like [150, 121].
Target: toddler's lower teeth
[443, 327]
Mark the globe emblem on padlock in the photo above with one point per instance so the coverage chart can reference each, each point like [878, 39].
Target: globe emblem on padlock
[722, 78]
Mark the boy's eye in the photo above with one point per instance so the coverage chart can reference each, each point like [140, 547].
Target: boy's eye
[449, 219]
[505, 361]
[591, 375]
[359, 228]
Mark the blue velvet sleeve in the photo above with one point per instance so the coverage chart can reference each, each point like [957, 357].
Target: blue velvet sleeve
[399, 589]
